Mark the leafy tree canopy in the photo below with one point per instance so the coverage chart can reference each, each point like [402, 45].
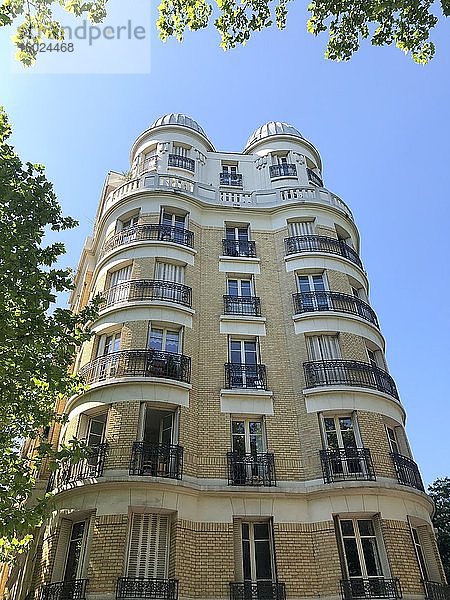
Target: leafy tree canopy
[439, 490]
[37, 347]
[406, 23]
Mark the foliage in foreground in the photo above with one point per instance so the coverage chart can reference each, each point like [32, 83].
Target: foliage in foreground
[439, 490]
[405, 23]
[36, 346]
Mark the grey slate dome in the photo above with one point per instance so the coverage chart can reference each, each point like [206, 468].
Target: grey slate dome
[179, 119]
[272, 128]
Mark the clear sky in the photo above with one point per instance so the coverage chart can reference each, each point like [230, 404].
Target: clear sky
[380, 122]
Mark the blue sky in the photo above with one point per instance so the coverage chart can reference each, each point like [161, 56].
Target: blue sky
[380, 122]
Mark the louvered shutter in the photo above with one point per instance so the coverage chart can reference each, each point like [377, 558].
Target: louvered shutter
[149, 546]
[168, 272]
[297, 228]
[427, 543]
[59, 564]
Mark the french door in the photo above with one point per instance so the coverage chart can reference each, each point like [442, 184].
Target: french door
[312, 289]
[257, 555]
[248, 446]
[342, 438]
[244, 361]
[148, 548]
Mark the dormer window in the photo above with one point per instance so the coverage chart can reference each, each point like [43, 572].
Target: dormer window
[180, 158]
[230, 176]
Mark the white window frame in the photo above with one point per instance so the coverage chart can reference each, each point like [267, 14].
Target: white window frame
[236, 228]
[252, 550]
[165, 330]
[239, 281]
[379, 546]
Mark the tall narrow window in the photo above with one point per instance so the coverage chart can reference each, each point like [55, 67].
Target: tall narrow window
[75, 551]
[313, 294]
[118, 291]
[361, 553]
[393, 440]
[257, 552]
[300, 228]
[148, 546]
[341, 442]
[420, 554]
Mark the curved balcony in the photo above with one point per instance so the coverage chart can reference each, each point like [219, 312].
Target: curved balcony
[371, 588]
[435, 590]
[91, 466]
[141, 290]
[74, 589]
[158, 460]
[146, 588]
[353, 373]
[150, 232]
[352, 464]
[181, 162]
[407, 471]
[231, 179]
[320, 243]
[314, 178]
[335, 301]
[137, 363]
[251, 469]
[239, 375]
[257, 590]
[244, 248]
[249, 306]
[282, 170]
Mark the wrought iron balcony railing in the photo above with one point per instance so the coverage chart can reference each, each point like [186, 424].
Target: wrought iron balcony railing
[314, 178]
[407, 471]
[91, 466]
[182, 162]
[353, 373]
[158, 460]
[282, 170]
[146, 588]
[231, 179]
[138, 363]
[373, 587]
[242, 305]
[65, 590]
[347, 463]
[239, 375]
[334, 301]
[140, 290]
[436, 591]
[320, 243]
[239, 248]
[149, 232]
[257, 590]
[251, 469]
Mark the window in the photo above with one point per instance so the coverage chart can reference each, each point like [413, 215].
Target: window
[257, 555]
[239, 233]
[244, 370]
[127, 221]
[361, 554]
[323, 347]
[420, 554]
[75, 551]
[157, 453]
[96, 430]
[341, 442]
[119, 276]
[172, 219]
[163, 339]
[168, 272]
[301, 228]
[339, 432]
[148, 546]
[393, 441]
[313, 292]
[117, 292]
[180, 150]
[375, 357]
[240, 287]
[423, 540]
[279, 159]
[159, 426]
[247, 436]
[229, 169]
[243, 352]
[108, 344]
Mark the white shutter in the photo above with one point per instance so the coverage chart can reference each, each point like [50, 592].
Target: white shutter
[59, 564]
[168, 272]
[298, 228]
[149, 546]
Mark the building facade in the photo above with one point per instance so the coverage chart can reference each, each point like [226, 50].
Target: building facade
[247, 440]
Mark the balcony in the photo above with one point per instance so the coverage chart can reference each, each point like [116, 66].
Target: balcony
[314, 178]
[146, 588]
[231, 179]
[353, 373]
[239, 375]
[436, 591]
[244, 248]
[335, 301]
[248, 306]
[319, 243]
[251, 469]
[91, 466]
[65, 590]
[137, 363]
[157, 460]
[351, 464]
[407, 471]
[182, 162]
[257, 590]
[150, 232]
[282, 170]
[374, 587]
[142, 290]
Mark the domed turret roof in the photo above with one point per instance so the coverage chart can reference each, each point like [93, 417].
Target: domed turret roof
[269, 129]
[179, 119]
